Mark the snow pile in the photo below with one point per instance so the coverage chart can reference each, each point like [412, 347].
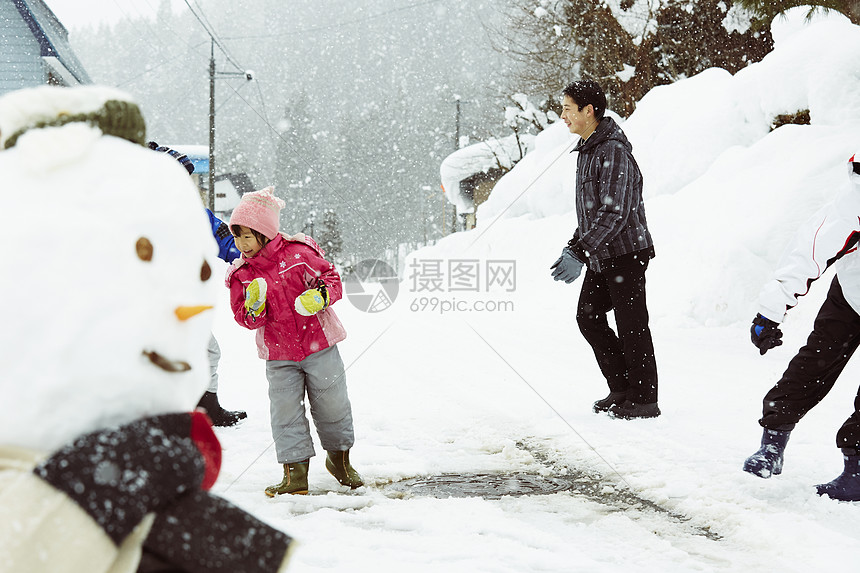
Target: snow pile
[723, 191]
[479, 158]
[495, 153]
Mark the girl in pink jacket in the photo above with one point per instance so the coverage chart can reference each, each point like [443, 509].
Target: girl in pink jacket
[282, 287]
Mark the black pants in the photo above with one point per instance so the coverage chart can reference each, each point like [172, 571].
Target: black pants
[813, 371]
[626, 359]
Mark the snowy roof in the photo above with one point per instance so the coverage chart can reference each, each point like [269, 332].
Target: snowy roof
[479, 158]
[53, 39]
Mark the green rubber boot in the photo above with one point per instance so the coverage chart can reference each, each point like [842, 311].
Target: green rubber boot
[337, 464]
[295, 480]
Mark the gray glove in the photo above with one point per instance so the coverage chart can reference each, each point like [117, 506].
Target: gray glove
[567, 268]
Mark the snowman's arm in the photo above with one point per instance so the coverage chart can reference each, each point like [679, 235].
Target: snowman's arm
[203, 532]
[119, 475]
[42, 529]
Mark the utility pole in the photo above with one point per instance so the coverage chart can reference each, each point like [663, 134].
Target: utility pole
[212, 128]
[248, 75]
[457, 102]
[426, 193]
[444, 211]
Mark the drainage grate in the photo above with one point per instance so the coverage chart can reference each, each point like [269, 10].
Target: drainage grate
[485, 485]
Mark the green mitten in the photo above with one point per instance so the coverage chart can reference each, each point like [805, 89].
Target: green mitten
[255, 297]
[311, 301]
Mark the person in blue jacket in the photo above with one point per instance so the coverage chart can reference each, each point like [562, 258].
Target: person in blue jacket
[227, 251]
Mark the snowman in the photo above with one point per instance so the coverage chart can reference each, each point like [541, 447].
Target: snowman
[107, 286]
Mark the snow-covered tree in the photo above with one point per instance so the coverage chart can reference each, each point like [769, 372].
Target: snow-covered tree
[628, 47]
[768, 9]
[376, 122]
[329, 237]
[296, 181]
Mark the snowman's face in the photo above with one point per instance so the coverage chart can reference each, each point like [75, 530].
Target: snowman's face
[108, 274]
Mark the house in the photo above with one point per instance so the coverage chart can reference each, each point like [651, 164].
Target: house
[469, 174]
[229, 187]
[34, 48]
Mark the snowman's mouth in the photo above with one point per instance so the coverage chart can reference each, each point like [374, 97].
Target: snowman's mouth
[165, 364]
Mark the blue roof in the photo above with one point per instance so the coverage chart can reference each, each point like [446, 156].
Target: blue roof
[201, 165]
[198, 154]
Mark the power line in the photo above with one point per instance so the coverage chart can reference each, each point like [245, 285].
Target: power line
[203, 14]
[212, 35]
[223, 103]
[169, 26]
[155, 33]
[338, 24]
[262, 101]
[263, 116]
[151, 69]
[369, 225]
[210, 31]
[211, 28]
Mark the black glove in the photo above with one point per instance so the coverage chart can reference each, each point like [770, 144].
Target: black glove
[567, 268]
[765, 333]
[119, 475]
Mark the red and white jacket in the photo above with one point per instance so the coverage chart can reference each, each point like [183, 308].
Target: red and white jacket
[831, 235]
[290, 265]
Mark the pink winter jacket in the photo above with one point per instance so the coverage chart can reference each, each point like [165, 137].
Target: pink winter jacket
[290, 266]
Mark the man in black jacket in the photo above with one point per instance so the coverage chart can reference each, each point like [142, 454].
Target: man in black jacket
[613, 243]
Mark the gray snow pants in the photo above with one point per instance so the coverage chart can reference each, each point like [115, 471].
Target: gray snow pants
[321, 376]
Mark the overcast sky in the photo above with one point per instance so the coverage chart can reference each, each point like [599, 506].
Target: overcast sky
[81, 13]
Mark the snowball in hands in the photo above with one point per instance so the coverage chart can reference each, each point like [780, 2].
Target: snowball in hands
[255, 297]
[310, 302]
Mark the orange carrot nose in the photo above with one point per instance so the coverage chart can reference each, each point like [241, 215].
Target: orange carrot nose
[186, 312]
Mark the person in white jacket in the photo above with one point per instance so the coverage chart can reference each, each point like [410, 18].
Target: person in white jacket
[831, 235]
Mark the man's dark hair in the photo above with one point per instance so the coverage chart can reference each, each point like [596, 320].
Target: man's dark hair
[584, 92]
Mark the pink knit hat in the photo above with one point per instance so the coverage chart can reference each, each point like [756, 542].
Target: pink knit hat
[260, 211]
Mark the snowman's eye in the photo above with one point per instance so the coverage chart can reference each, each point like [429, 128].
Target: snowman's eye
[144, 249]
[205, 272]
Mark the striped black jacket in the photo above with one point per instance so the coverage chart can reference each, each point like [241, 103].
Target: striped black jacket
[609, 206]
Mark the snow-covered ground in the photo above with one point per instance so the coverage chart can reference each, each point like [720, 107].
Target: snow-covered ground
[510, 391]
[424, 407]
[478, 368]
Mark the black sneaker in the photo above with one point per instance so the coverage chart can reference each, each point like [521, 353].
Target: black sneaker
[611, 400]
[630, 411]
